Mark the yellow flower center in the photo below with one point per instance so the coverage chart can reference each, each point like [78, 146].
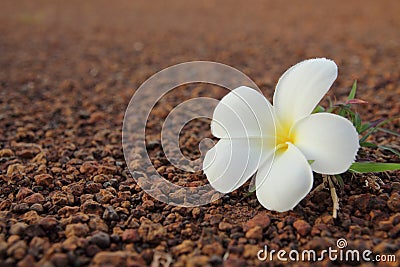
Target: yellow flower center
[284, 135]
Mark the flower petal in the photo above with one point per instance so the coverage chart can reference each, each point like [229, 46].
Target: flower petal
[230, 163]
[244, 112]
[302, 87]
[328, 139]
[282, 185]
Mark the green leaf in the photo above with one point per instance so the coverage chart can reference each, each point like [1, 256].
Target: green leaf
[375, 128]
[389, 131]
[362, 167]
[310, 161]
[391, 149]
[357, 122]
[367, 144]
[352, 94]
[318, 109]
[364, 127]
[340, 180]
[343, 112]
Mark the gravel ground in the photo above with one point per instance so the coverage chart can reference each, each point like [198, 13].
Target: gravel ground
[68, 71]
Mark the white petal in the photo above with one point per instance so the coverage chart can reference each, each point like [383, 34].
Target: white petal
[244, 112]
[282, 185]
[328, 139]
[230, 163]
[302, 87]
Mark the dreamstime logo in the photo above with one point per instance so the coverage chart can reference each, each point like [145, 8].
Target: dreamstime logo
[146, 97]
[340, 254]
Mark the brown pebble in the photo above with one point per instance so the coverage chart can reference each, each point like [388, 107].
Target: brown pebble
[117, 258]
[250, 251]
[100, 239]
[6, 152]
[59, 259]
[198, 261]
[302, 227]
[213, 249]
[185, 247]
[34, 198]
[394, 202]
[224, 226]
[92, 207]
[130, 236]
[110, 214]
[77, 229]
[89, 167]
[17, 250]
[48, 223]
[18, 228]
[260, 219]
[23, 192]
[255, 233]
[196, 212]
[44, 179]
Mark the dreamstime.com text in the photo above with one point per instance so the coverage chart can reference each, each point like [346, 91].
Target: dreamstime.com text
[333, 254]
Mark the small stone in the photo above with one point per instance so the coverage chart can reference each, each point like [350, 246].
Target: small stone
[196, 212]
[255, 233]
[38, 246]
[130, 236]
[27, 261]
[110, 214]
[150, 231]
[250, 251]
[48, 223]
[302, 227]
[23, 193]
[76, 229]
[260, 219]
[62, 199]
[96, 223]
[20, 208]
[224, 226]
[17, 250]
[107, 170]
[234, 262]
[34, 198]
[6, 152]
[37, 207]
[59, 259]
[148, 205]
[213, 249]
[72, 243]
[67, 211]
[104, 196]
[15, 169]
[117, 258]
[100, 239]
[395, 231]
[385, 225]
[215, 219]
[34, 230]
[18, 228]
[185, 247]
[92, 207]
[75, 189]
[89, 167]
[197, 261]
[92, 250]
[394, 202]
[44, 179]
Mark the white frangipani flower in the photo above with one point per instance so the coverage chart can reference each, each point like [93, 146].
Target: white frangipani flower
[283, 143]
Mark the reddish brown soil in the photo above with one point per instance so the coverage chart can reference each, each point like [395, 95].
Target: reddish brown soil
[67, 72]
